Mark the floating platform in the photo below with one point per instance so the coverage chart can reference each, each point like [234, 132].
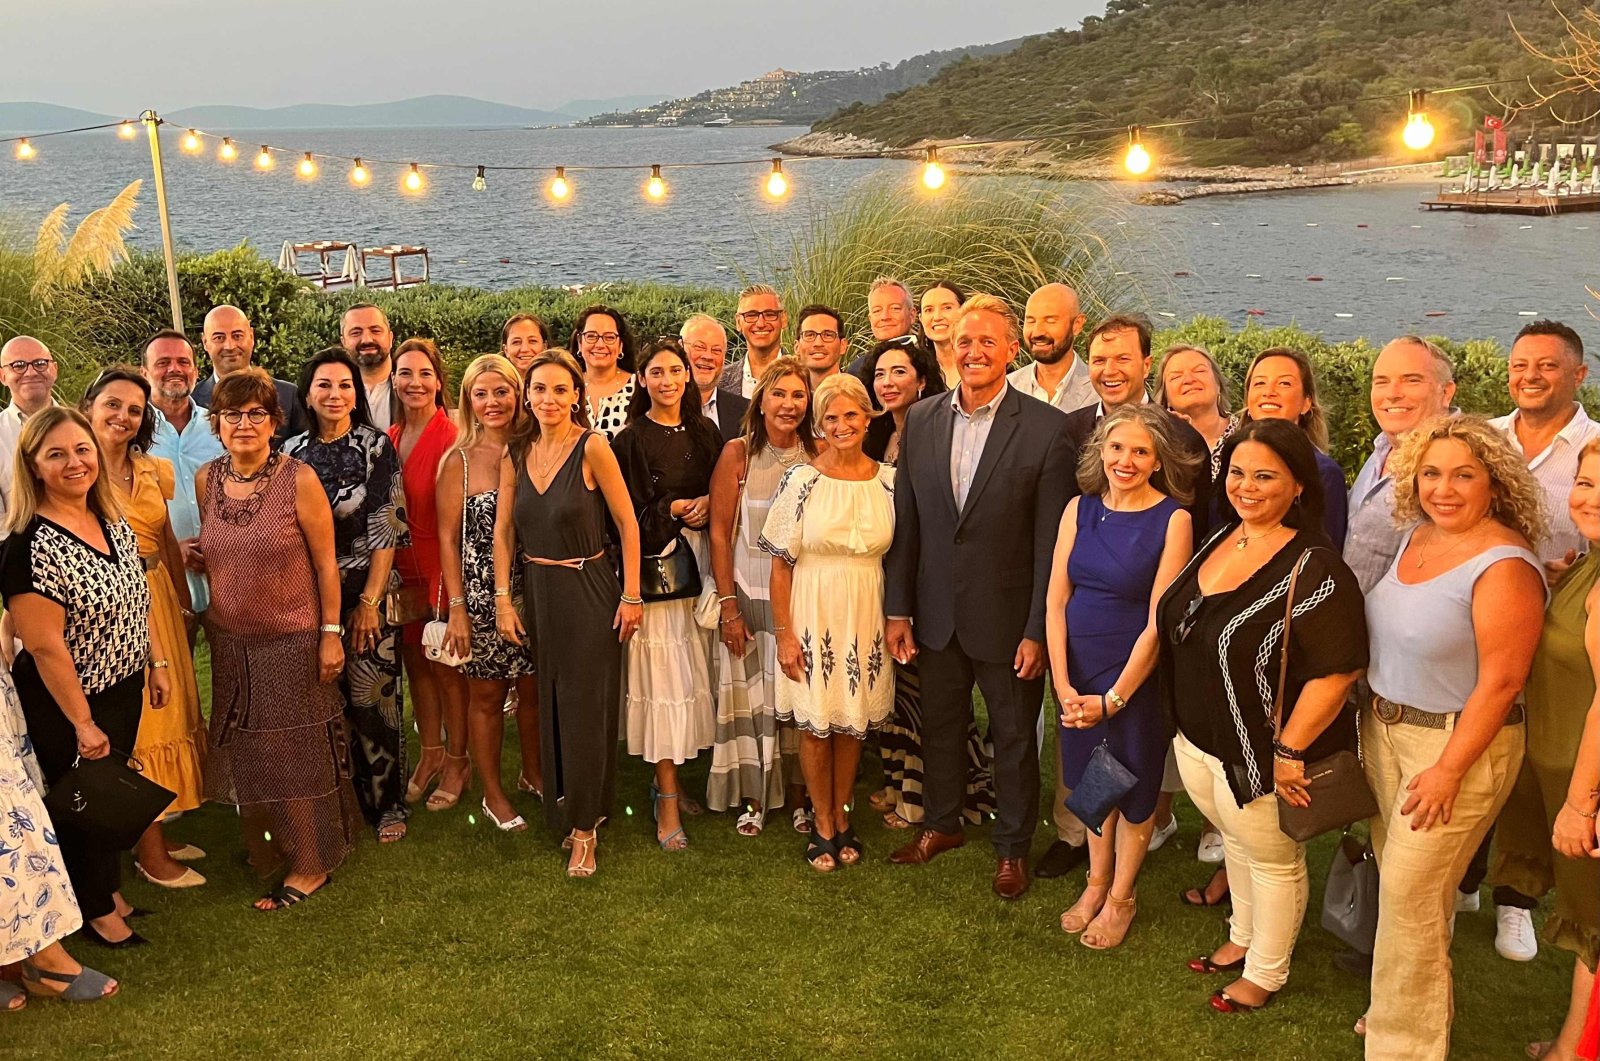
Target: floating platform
[1514, 201]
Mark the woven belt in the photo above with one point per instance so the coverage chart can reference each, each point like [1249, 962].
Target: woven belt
[1390, 713]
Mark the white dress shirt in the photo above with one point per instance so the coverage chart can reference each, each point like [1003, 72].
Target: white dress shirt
[968, 437]
[1072, 393]
[1555, 468]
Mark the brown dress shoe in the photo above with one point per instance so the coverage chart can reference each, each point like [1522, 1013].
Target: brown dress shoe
[925, 845]
[1011, 877]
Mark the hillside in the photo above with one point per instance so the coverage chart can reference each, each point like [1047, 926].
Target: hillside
[800, 98]
[1149, 61]
[422, 111]
[24, 117]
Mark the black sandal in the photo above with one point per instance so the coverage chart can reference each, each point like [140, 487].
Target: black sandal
[1200, 893]
[817, 846]
[283, 896]
[847, 840]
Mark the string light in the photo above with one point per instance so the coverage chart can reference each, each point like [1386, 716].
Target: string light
[1418, 133]
[777, 183]
[127, 129]
[1137, 160]
[932, 172]
[308, 167]
[478, 182]
[191, 142]
[264, 158]
[655, 187]
[26, 152]
[413, 180]
[358, 174]
[227, 152]
[559, 188]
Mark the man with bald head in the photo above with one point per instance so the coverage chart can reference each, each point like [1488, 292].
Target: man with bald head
[705, 340]
[1050, 324]
[28, 369]
[230, 342]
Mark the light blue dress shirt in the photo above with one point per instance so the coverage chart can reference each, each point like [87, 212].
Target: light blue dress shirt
[187, 450]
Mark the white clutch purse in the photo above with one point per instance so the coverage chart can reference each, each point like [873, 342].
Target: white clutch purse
[433, 645]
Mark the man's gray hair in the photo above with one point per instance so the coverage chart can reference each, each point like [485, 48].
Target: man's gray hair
[1441, 360]
[696, 318]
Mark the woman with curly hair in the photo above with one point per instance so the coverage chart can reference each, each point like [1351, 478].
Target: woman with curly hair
[1454, 623]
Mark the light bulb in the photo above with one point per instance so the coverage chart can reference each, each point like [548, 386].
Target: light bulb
[308, 167]
[655, 187]
[932, 173]
[478, 182]
[26, 151]
[264, 158]
[359, 174]
[559, 188]
[191, 141]
[777, 183]
[1137, 159]
[1418, 133]
[413, 179]
[227, 152]
[127, 130]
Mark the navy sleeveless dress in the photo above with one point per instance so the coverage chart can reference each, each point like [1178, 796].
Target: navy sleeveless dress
[1113, 570]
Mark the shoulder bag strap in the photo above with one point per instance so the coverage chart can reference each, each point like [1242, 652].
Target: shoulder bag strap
[1283, 655]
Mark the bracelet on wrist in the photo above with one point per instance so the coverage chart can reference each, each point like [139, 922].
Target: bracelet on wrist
[371, 602]
[502, 591]
[1116, 699]
[1281, 750]
[726, 599]
[1580, 813]
[456, 602]
[335, 629]
[161, 664]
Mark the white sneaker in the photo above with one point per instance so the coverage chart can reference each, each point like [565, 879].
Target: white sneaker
[1514, 938]
[1211, 849]
[1164, 833]
[1467, 902]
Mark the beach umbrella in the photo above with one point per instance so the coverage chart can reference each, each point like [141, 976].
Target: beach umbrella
[1516, 173]
[1553, 185]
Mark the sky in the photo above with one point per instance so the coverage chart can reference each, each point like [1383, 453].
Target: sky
[120, 56]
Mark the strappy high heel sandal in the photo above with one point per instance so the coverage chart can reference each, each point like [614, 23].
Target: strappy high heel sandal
[515, 824]
[524, 785]
[417, 787]
[1108, 940]
[586, 846]
[677, 840]
[1074, 923]
[443, 800]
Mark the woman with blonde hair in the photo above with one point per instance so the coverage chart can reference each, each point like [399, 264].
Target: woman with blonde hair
[489, 414]
[829, 528]
[1454, 623]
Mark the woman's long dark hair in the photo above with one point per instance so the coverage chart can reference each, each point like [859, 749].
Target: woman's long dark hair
[923, 363]
[689, 407]
[124, 374]
[334, 355]
[526, 433]
[1286, 439]
[625, 360]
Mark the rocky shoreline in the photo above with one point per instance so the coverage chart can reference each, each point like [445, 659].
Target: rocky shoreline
[1029, 159]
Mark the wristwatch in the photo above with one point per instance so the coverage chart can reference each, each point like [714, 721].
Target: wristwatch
[332, 628]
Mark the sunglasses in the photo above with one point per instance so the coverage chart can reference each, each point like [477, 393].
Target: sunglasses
[1186, 623]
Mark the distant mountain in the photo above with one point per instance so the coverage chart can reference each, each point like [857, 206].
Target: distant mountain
[45, 117]
[800, 98]
[422, 111]
[588, 108]
[1270, 80]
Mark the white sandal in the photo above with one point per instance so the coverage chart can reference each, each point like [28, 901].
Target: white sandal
[516, 825]
[802, 820]
[751, 822]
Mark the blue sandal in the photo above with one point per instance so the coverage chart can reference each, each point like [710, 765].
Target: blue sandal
[848, 841]
[677, 840]
[86, 985]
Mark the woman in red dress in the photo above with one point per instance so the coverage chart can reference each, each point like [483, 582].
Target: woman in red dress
[423, 435]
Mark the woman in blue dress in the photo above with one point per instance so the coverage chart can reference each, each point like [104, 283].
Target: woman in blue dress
[1121, 542]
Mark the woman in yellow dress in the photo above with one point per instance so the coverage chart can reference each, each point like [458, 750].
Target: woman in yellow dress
[171, 739]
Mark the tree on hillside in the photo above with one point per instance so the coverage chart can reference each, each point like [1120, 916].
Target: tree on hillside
[1576, 62]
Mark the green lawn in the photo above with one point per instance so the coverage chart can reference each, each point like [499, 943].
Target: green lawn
[464, 943]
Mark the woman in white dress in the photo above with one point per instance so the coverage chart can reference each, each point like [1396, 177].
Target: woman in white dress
[747, 760]
[667, 453]
[829, 527]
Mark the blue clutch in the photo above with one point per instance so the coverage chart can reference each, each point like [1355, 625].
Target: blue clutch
[1103, 784]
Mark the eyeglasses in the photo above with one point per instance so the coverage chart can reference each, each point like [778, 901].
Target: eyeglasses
[903, 340]
[600, 337]
[809, 336]
[771, 316]
[40, 365]
[1186, 623]
[706, 348]
[256, 416]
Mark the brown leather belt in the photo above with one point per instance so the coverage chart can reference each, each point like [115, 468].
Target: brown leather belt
[151, 562]
[574, 564]
[1390, 713]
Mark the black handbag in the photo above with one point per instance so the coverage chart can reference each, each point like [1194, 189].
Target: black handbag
[109, 798]
[671, 574]
[1336, 785]
[1103, 784]
[1350, 897]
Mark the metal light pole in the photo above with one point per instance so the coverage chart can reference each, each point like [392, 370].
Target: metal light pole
[153, 122]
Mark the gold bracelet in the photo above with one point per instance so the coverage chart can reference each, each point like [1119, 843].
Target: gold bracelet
[503, 591]
[1581, 813]
[631, 600]
[371, 602]
[161, 664]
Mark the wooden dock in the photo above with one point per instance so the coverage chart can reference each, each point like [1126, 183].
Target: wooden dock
[1514, 201]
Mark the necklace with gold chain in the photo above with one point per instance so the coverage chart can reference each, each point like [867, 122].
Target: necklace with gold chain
[543, 469]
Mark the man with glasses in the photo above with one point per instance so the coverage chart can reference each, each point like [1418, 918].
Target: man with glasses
[761, 320]
[820, 343]
[230, 342]
[705, 340]
[28, 369]
[183, 436]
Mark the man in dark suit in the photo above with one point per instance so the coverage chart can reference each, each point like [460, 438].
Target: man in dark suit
[230, 343]
[705, 340]
[984, 475]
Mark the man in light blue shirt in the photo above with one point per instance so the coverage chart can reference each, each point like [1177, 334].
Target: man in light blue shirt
[183, 436]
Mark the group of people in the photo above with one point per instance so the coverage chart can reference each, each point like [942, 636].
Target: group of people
[776, 558]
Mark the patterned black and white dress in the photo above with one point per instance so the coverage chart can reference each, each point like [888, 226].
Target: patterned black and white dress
[493, 657]
[360, 473]
[609, 415]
